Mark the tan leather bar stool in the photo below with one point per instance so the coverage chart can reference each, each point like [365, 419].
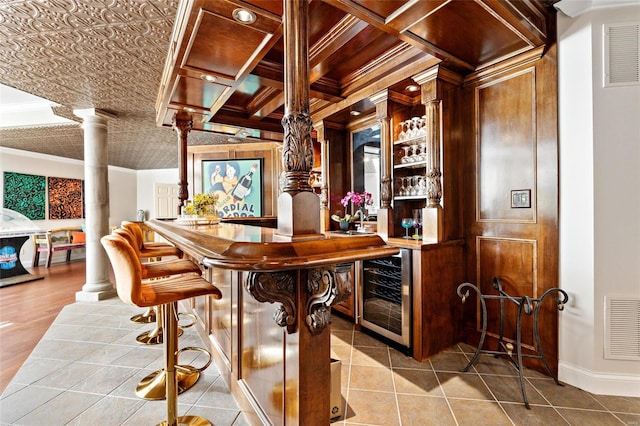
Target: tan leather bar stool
[152, 387]
[149, 247]
[152, 270]
[165, 293]
[148, 251]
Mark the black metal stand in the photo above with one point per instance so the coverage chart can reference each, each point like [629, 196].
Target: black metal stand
[523, 303]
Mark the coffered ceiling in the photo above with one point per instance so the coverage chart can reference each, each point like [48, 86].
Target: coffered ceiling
[110, 54]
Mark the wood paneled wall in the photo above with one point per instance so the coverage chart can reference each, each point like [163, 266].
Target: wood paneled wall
[512, 144]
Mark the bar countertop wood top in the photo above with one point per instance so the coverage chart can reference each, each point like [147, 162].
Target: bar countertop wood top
[253, 248]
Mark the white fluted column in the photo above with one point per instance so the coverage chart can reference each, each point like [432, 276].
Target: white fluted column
[96, 198]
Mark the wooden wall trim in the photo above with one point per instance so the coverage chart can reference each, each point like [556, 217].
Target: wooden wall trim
[507, 165]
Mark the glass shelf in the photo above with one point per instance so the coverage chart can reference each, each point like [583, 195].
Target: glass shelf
[415, 165]
[409, 141]
[410, 197]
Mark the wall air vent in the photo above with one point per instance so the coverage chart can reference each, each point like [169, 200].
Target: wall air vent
[622, 328]
[621, 54]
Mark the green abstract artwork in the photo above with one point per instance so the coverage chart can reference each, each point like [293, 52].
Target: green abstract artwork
[25, 194]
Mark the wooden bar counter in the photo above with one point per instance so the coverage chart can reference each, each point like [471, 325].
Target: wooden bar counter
[269, 333]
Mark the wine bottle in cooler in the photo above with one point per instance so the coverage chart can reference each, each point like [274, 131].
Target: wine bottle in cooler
[244, 184]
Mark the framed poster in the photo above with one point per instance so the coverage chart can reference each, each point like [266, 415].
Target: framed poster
[25, 194]
[237, 183]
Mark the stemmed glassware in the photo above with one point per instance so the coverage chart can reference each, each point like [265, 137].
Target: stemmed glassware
[403, 132]
[414, 156]
[409, 186]
[415, 128]
[423, 151]
[417, 223]
[414, 186]
[403, 187]
[405, 159]
[422, 186]
[407, 223]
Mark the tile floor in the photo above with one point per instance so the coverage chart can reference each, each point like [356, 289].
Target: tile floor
[381, 386]
[77, 377]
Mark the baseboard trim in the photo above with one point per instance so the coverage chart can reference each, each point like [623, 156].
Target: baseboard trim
[599, 383]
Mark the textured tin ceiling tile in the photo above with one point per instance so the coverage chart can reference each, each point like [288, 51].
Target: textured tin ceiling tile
[105, 54]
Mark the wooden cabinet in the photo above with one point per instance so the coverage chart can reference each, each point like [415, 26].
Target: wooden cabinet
[348, 307]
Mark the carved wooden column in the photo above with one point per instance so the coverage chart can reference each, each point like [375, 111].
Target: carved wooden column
[182, 124]
[434, 173]
[298, 206]
[439, 89]
[385, 213]
[325, 215]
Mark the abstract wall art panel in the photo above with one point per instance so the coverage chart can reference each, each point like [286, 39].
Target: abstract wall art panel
[65, 198]
[25, 194]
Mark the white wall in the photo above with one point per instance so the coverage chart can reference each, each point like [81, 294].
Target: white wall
[599, 201]
[147, 180]
[122, 190]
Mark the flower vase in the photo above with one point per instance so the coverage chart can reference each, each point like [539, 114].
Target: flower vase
[362, 217]
[344, 226]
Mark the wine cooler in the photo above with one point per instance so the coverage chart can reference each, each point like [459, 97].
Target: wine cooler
[385, 302]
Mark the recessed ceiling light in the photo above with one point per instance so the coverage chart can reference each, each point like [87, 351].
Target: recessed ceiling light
[355, 113]
[412, 88]
[209, 78]
[189, 109]
[244, 16]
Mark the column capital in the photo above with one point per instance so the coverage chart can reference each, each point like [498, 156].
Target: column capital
[93, 112]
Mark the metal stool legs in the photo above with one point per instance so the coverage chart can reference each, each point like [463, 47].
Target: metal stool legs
[153, 386]
[148, 316]
[169, 314]
[154, 336]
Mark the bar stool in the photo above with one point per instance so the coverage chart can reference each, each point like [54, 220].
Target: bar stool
[155, 270]
[165, 293]
[148, 251]
[152, 386]
[149, 247]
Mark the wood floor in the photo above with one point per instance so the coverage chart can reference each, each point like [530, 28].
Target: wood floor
[27, 310]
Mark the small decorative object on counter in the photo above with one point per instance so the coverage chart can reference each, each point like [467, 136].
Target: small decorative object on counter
[359, 200]
[344, 222]
[203, 205]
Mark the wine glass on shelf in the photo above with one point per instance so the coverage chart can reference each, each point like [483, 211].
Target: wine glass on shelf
[416, 127]
[405, 158]
[408, 186]
[414, 185]
[403, 133]
[407, 223]
[402, 188]
[410, 129]
[422, 186]
[414, 156]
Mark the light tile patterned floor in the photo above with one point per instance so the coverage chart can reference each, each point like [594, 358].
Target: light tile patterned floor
[85, 369]
[381, 386]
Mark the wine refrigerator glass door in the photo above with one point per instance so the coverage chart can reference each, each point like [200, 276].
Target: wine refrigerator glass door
[385, 302]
